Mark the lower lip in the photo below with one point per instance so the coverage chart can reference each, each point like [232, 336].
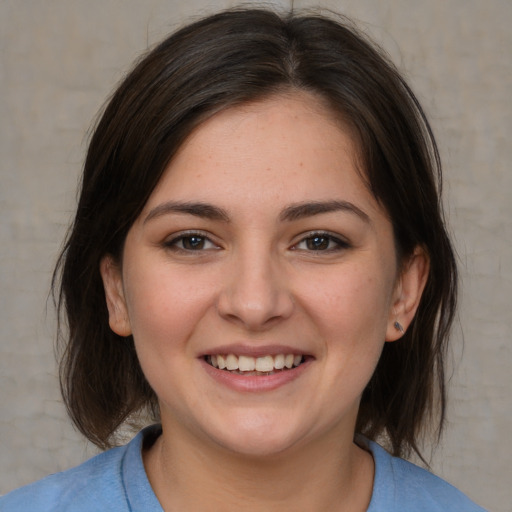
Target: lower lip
[255, 383]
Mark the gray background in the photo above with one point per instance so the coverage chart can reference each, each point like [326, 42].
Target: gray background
[59, 60]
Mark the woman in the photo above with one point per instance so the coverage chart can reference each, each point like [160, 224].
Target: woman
[259, 262]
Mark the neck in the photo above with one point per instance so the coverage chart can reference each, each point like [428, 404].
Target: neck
[331, 474]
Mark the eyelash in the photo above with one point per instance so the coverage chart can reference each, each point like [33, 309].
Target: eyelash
[188, 236]
[203, 239]
[339, 244]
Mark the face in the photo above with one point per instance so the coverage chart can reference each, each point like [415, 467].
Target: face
[260, 281]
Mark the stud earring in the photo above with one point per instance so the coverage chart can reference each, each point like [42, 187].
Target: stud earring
[398, 327]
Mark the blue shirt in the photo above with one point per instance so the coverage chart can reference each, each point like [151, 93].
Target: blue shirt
[116, 481]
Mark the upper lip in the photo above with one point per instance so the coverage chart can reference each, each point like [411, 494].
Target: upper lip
[252, 350]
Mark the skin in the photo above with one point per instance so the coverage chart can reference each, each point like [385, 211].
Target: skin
[255, 279]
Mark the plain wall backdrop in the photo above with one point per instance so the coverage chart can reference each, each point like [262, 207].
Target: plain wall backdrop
[59, 60]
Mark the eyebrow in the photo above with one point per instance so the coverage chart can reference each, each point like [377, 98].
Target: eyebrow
[290, 213]
[309, 209]
[203, 210]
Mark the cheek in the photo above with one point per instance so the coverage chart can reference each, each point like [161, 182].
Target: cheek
[354, 317]
[353, 303]
[165, 307]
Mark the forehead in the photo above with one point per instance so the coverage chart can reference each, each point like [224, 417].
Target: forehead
[287, 148]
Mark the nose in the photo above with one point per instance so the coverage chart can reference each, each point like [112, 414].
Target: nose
[255, 295]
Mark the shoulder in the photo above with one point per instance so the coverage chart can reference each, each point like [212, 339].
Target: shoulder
[97, 484]
[401, 485]
[94, 481]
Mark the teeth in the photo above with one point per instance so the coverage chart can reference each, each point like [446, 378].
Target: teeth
[246, 364]
[265, 364]
[279, 362]
[231, 362]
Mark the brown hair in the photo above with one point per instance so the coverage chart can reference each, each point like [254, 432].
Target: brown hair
[224, 60]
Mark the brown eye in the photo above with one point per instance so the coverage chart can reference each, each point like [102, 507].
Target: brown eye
[321, 242]
[318, 243]
[193, 243]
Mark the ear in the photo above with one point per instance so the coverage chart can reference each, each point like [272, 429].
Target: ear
[114, 293]
[407, 294]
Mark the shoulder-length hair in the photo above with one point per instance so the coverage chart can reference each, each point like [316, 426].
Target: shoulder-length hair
[224, 60]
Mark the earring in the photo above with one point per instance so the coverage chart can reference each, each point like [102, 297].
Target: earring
[398, 327]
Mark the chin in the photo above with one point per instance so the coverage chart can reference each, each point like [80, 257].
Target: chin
[257, 437]
[257, 447]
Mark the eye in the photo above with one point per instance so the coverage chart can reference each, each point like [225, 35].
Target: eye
[190, 242]
[321, 242]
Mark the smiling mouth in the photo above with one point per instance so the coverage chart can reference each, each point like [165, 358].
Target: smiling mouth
[255, 366]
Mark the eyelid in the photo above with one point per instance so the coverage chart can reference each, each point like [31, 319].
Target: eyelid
[171, 241]
[341, 242]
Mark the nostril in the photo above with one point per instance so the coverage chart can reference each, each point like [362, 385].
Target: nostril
[254, 298]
